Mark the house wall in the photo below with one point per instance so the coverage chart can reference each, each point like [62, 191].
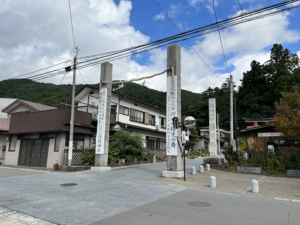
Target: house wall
[21, 108]
[200, 144]
[11, 157]
[56, 156]
[4, 102]
[2, 143]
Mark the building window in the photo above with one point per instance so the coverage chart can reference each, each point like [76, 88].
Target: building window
[23, 136]
[124, 110]
[163, 122]
[47, 135]
[136, 116]
[152, 120]
[151, 142]
[161, 144]
[57, 142]
[113, 108]
[156, 143]
[78, 141]
[13, 141]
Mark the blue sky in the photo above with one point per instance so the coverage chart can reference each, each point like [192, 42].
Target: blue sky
[38, 34]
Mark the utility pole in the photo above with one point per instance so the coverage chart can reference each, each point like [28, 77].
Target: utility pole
[236, 125]
[231, 112]
[219, 136]
[70, 153]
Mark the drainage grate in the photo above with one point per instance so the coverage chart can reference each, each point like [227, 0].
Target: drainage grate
[68, 184]
[199, 204]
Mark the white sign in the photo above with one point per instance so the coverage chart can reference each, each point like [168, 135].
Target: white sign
[171, 113]
[274, 134]
[183, 137]
[100, 137]
[212, 128]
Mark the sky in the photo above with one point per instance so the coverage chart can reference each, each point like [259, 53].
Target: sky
[37, 34]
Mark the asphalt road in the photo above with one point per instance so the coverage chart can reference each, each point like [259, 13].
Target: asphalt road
[133, 196]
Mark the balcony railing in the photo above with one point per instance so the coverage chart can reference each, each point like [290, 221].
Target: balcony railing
[152, 122]
[163, 126]
[136, 119]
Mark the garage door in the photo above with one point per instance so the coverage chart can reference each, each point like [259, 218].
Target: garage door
[34, 152]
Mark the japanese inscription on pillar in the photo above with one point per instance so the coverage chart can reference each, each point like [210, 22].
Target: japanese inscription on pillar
[212, 128]
[171, 113]
[100, 137]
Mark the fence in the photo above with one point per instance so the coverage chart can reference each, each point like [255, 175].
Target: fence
[76, 157]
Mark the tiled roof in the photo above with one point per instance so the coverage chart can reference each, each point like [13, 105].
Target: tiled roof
[4, 124]
[33, 105]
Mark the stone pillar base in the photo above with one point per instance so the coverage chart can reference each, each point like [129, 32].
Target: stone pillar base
[174, 174]
[100, 168]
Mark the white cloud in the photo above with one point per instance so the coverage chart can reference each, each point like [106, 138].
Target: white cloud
[194, 3]
[37, 35]
[175, 10]
[160, 16]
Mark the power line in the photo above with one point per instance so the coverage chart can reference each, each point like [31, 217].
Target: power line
[240, 5]
[179, 31]
[220, 37]
[71, 23]
[123, 53]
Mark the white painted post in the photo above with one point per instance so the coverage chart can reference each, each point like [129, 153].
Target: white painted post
[207, 167]
[254, 186]
[154, 159]
[194, 170]
[201, 170]
[213, 183]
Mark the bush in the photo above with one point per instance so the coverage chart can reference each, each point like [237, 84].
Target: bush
[56, 167]
[89, 156]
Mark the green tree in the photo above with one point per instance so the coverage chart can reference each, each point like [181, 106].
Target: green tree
[287, 118]
[126, 145]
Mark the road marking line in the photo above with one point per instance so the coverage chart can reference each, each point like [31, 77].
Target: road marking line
[282, 199]
[250, 186]
[295, 200]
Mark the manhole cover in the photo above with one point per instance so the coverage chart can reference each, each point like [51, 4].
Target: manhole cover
[199, 204]
[68, 184]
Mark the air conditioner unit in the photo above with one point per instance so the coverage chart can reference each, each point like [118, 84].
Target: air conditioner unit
[157, 127]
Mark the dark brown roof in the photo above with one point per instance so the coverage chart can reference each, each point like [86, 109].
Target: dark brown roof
[50, 120]
[125, 96]
[32, 105]
[256, 128]
[4, 124]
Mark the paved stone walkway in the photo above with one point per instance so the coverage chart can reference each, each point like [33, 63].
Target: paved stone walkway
[8, 217]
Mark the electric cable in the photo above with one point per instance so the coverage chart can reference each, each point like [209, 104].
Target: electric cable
[220, 37]
[220, 25]
[71, 23]
[179, 31]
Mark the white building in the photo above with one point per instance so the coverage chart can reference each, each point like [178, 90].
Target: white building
[203, 143]
[130, 114]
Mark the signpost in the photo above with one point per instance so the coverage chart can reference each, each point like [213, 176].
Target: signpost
[212, 128]
[101, 123]
[171, 113]
[274, 134]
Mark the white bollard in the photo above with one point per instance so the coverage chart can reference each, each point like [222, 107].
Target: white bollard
[213, 182]
[201, 170]
[193, 170]
[207, 167]
[254, 186]
[154, 159]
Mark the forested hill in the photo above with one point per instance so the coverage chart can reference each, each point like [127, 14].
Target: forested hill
[55, 95]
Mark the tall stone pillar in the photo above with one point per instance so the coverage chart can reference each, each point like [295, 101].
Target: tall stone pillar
[174, 162]
[103, 126]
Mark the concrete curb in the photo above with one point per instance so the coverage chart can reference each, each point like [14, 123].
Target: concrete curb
[286, 199]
